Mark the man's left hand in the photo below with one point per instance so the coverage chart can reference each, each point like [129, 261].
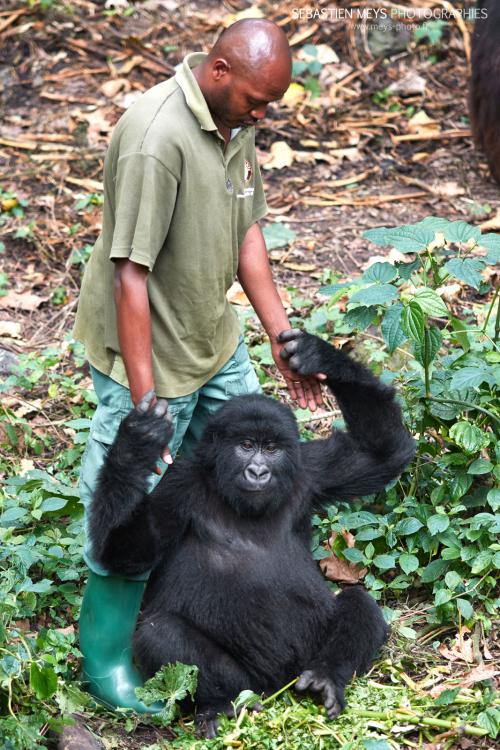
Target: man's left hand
[305, 390]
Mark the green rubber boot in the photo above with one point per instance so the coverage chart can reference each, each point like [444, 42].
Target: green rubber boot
[107, 622]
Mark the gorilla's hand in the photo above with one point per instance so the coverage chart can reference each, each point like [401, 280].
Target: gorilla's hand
[330, 694]
[148, 427]
[306, 354]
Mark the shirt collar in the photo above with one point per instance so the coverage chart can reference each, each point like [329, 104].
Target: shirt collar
[192, 92]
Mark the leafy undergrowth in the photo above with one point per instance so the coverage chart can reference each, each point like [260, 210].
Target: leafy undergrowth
[427, 547]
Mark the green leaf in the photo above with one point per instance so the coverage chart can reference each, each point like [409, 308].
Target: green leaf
[491, 243]
[11, 515]
[358, 519]
[434, 570]
[460, 333]
[413, 322]
[493, 498]
[482, 561]
[171, 684]
[408, 526]
[407, 632]
[460, 231]
[465, 608]
[437, 523]
[381, 273]
[379, 236]
[411, 239]
[447, 697]
[391, 329]
[369, 744]
[408, 563]
[377, 294]
[490, 720]
[53, 503]
[442, 596]
[43, 681]
[353, 555]
[434, 223]
[360, 318]
[332, 289]
[471, 377]
[480, 466]
[278, 235]
[468, 436]
[425, 352]
[431, 303]
[452, 579]
[466, 269]
[384, 562]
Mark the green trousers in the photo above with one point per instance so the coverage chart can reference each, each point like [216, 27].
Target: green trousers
[189, 415]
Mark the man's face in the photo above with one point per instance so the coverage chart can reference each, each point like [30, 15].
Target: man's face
[239, 101]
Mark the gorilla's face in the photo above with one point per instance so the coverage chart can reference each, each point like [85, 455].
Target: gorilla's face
[256, 455]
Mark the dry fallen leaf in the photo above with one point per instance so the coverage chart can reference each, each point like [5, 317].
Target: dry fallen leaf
[421, 123]
[112, 87]
[338, 570]
[23, 301]
[236, 295]
[294, 94]
[10, 328]
[280, 155]
[461, 648]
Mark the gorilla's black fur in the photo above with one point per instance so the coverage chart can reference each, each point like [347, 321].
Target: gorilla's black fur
[234, 588]
[485, 83]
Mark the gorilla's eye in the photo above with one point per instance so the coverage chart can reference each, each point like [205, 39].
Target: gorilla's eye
[247, 445]
[270, 447]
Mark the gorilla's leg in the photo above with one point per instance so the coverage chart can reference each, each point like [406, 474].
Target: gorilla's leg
[169, 639]
[357, 631]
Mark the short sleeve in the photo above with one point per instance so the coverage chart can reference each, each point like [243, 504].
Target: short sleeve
[145, 195]
[259, 207]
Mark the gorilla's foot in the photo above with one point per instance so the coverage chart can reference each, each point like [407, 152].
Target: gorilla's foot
[327, 692]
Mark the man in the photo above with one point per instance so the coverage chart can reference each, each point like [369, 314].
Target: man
[183, 197]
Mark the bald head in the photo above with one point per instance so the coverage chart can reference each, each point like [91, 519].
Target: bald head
[249, 66]
[253, 43]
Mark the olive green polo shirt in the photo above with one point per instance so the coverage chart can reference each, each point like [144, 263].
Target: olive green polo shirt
[179, 201]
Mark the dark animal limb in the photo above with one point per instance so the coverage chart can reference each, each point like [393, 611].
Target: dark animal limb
[485, 83]
[357, 632]
[171, 638]
[123, 537]
[376, 446]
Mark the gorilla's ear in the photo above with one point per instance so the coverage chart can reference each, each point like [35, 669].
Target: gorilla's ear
[207, 448]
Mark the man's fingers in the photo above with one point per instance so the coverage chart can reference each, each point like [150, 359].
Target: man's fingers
[167, 457]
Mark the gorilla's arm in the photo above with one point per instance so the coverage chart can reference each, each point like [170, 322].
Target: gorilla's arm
[126, 524]
[375, 448]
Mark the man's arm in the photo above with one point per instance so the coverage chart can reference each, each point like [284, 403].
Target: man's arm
[254, 275]
[133, 320]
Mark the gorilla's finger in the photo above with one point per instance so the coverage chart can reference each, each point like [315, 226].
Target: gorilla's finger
[160, 408]
[305, 680]
[145, 401]
[329, 696]
[289, 335]
[295, 362]
[289, 349]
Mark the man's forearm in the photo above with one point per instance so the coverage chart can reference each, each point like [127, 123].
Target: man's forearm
[254, 275]
[134, 326]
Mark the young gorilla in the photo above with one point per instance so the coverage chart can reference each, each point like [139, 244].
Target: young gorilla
[485, 83]
[234, 588]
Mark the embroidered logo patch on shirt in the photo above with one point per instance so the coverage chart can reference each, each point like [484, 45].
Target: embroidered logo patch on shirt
[248, 171]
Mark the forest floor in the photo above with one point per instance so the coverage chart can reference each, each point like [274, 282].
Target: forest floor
[357, 156]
